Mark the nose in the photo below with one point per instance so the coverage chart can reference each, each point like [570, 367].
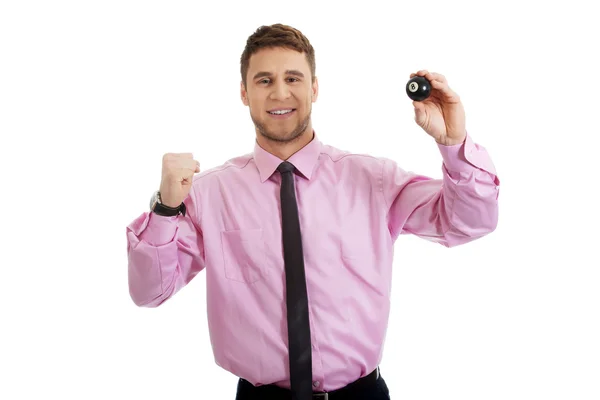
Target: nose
[280, 91]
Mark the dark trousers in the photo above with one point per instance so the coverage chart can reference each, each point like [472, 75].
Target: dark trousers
[367, 389]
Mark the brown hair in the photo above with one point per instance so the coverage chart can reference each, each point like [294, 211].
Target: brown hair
[277, 35]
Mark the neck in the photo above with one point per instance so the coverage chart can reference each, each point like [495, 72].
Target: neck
[284, 150]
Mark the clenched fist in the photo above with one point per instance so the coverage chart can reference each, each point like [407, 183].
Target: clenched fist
[178, 169]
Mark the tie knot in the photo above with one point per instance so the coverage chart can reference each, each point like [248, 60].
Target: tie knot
[285, 167]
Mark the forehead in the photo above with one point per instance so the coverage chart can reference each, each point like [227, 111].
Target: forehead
[276, 60]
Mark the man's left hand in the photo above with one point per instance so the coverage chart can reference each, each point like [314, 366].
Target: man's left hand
[441, 115]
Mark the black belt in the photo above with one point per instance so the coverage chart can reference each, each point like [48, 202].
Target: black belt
[362, 383]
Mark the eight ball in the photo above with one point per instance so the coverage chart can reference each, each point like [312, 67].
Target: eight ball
[418, 88]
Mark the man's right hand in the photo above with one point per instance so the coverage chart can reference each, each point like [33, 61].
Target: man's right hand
[178, 170]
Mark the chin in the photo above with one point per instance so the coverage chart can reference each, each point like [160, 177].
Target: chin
[274, 131]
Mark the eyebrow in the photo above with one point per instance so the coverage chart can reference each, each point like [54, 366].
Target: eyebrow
[288, 72]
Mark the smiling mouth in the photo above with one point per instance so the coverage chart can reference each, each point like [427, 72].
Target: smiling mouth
[282, 112]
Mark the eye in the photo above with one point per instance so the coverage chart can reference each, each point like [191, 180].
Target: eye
[266, 81]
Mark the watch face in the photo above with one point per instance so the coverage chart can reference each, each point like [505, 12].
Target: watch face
[153, 200]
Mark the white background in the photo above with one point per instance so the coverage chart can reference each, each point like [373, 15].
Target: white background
[93, 93]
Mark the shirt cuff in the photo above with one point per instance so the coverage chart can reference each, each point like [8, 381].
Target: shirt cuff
[160, 229]
[466, 157]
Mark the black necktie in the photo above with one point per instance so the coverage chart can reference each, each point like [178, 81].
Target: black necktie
[297, 302]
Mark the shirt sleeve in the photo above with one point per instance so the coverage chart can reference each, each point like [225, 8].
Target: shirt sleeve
[164, 253]
[458, 208]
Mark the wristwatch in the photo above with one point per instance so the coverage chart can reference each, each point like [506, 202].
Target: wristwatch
[157, 207]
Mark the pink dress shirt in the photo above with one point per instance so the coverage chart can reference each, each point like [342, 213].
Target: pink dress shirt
[352, 208]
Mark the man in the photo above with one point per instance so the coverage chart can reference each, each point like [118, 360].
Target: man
[297, 238]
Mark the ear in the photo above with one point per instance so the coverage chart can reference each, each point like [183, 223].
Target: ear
[243, 94]
[315, 90]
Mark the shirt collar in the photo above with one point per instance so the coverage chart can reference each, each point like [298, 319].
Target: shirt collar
[304, 159]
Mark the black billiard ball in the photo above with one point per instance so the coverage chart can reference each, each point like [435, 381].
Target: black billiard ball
[418, 88]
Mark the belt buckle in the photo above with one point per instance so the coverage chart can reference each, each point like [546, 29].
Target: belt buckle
[320, 396]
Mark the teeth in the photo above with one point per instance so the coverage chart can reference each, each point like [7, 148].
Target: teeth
[279, 112]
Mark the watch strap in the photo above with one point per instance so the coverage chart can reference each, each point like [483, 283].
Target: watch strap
[167, 211]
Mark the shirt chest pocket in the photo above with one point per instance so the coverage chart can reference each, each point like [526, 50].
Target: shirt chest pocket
[244, 255]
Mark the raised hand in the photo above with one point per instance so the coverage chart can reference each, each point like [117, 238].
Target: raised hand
[441, 115]
[178, 170]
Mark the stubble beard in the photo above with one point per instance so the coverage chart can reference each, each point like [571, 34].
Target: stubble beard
[285, 137]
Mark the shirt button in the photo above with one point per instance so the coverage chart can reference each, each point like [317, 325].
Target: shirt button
[316, 383]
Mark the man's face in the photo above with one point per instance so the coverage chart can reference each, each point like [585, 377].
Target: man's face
[279, 79]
